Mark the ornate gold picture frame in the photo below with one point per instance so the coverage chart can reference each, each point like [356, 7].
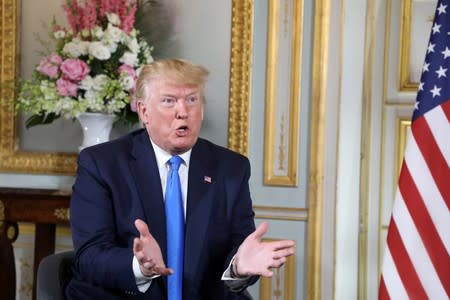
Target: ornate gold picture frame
[12, 159]
[240, 74]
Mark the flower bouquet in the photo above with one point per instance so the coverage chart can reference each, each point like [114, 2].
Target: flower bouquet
[93, 68]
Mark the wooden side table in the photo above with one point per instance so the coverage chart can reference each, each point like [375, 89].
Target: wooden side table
[45, 208]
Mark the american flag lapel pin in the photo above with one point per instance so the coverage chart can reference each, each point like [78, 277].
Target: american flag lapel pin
[207, 179]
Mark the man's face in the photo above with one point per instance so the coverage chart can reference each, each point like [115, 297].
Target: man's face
[173, 115]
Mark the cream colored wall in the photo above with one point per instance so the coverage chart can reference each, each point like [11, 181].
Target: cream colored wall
[349, 149]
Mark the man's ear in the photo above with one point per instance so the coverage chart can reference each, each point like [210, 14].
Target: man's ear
[142, 112]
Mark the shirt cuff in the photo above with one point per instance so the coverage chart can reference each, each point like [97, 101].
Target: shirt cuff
[142, 282]
[227, 274]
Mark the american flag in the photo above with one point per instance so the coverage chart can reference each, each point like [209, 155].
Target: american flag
[416, 260]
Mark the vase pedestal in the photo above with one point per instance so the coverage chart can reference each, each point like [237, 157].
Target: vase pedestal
[96, 128]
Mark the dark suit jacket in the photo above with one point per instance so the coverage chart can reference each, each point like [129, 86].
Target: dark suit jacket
[118, 182]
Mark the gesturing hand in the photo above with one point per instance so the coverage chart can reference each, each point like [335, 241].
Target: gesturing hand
[255, 257]
[148, 253]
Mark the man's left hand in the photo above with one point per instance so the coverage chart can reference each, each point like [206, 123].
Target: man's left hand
[255, 257]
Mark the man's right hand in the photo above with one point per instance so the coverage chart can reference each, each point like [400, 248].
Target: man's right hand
[148, 253]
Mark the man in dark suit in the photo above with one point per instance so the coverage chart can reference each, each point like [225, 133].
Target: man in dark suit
[118, 214]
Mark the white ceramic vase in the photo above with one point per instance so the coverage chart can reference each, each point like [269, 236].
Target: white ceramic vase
[96, 128]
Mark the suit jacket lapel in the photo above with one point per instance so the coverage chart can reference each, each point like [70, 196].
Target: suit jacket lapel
[148, 183]
[202, 175]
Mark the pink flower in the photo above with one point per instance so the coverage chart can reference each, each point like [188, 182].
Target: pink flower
[75, 69]
[133, 105]
[127, 69]
[66, 87]
[74, 15]
[89, 15]
[128, 17]
[49, 65]
[130, 82]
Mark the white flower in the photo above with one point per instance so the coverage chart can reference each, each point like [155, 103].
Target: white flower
[48, 89]
[66, 103]
[87, 83]
[90, 95]
[60, 34]
[100, 82]
[76, 48]
[99, 51]
[113, 19]
[110, 45]
[84, 47]
[130, 59]
[126, 81]
[133, 45]
[97, 32]
[114, 33]
[65, 106]
[146, 52]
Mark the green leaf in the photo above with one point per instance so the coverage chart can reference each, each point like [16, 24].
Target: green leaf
[40, 119]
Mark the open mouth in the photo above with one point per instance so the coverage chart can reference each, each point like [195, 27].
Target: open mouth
[182, 130]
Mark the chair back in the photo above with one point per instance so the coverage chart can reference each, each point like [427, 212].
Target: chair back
[54, 272]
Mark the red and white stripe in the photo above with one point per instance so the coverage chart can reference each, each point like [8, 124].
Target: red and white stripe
[417, 261]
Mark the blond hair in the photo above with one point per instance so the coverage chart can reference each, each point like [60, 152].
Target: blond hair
[177, 71]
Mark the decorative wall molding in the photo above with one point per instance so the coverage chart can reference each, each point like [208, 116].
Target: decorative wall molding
[281, 286]
[281, 213]
[414, 32]
[403, 127]
[283, 81]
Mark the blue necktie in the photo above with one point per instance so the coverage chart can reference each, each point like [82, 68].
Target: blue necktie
[175, 230]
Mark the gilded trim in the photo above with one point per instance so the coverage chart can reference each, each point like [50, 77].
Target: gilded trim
[11, 158]
[403, 125]
[240, 74]
[383, 130]
[62, 230]
[405, 84]
[280, 213]
[275, 152]
[282, 284]
[366, 144]
[11, 233]
[62, 214]
[317, 142]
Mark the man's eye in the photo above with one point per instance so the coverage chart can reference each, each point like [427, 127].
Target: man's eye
[168, 101]
[192, 100]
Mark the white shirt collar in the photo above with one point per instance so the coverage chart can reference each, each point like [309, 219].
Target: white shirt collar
[163, 156]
